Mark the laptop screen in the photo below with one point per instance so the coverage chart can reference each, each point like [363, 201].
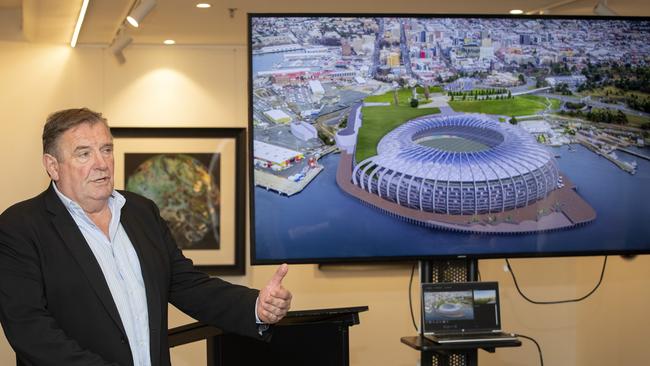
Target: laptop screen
[460, 307]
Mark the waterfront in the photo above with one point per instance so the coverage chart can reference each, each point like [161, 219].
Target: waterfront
[324, 222]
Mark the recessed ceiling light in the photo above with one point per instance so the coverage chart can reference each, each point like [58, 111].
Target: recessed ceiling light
[516, 11]
[203, 5]
[169, 41]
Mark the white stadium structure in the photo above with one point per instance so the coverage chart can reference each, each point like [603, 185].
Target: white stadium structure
[459, 165]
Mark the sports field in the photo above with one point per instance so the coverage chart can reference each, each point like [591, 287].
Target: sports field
[452, 144]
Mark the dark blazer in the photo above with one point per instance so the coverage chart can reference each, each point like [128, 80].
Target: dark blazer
[56, 307]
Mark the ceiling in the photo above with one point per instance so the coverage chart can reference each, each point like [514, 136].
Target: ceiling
[52, 21]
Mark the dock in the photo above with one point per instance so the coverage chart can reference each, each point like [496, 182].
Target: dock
[638, 155]
[621, 164]
[283, 185]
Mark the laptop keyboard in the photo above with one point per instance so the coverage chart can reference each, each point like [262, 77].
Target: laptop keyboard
[472, 337]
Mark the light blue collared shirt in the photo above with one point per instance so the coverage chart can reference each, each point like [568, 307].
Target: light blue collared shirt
[121, 267]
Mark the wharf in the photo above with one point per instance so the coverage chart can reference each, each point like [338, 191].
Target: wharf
[638, 155]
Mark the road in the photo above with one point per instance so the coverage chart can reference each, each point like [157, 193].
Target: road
[375, 53]
[406, 56]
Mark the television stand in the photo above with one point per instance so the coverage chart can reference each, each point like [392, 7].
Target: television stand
[454, 270]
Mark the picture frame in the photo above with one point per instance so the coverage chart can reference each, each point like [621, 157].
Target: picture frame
[197, 177]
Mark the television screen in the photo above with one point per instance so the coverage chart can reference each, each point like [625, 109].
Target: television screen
[379, 137]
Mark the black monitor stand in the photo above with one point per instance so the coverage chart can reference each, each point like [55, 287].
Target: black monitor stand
[456, 270]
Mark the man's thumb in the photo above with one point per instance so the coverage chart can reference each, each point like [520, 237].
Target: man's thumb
[279, 275]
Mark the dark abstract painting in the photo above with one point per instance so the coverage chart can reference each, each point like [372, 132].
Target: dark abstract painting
[185, 187]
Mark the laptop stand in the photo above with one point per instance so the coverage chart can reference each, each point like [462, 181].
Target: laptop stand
[456, 270]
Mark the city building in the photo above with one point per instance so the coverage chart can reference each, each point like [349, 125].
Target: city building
[316, 87]
[274, 157]
[571, 81]
[278, 116]
[393, 59]
[304, 131]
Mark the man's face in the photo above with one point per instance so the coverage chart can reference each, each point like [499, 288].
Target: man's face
[83, 168]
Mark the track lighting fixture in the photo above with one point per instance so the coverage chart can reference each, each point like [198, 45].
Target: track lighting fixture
[140, 11]
[601, 8]
[121, 41]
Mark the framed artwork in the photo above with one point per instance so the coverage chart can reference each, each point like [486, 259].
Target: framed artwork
[196, 177]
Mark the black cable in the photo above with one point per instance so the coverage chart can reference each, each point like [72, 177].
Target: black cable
[410, 302]
[514, 279]
[539, 349]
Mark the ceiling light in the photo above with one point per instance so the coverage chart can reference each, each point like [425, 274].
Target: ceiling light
[203, 5]
[140, 11]
[119, 44]
[516, 11]
[80, 20]
[169, 41]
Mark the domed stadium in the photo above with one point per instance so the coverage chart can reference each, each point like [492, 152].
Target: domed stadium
[458, 165]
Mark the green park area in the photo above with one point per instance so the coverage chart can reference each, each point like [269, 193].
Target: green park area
[378, 121]
[638, 121]
[404, 96]
[611, 92]
[518, 106]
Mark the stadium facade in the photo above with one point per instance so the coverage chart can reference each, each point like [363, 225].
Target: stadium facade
[459, 165]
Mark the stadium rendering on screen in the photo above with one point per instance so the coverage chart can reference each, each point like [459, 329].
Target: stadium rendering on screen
[393, 137]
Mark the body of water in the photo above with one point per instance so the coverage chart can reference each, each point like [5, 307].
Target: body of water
[269, 61]
[323, 222]
[265, 62]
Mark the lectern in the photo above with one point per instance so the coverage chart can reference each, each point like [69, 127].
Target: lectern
[308, 337]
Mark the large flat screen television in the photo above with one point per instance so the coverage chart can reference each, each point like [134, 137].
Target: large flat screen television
[396, 137]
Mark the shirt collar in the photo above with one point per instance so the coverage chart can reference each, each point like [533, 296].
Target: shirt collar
[115, 203]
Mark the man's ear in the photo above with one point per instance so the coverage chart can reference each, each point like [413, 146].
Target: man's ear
[51, 166]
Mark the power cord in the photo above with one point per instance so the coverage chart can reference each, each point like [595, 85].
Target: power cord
[539, 349]
[410, 300]
[514, 279]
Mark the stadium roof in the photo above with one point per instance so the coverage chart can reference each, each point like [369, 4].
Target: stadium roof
[512, 151]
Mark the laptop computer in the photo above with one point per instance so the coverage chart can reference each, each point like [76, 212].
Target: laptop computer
[462, 312]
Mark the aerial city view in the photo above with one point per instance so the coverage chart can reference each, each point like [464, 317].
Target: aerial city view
[460, 124]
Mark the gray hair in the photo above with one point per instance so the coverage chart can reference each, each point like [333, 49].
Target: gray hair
[59, 122]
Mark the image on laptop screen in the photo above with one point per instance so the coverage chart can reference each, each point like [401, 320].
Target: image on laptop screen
[460, 307]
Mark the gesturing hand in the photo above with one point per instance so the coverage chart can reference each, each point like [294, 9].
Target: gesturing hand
[274, 300]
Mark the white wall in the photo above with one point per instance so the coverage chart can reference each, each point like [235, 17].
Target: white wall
[207, 87]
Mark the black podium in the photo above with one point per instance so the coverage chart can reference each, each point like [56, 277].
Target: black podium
[309, 337]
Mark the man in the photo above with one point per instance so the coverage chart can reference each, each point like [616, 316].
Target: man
[86, 272]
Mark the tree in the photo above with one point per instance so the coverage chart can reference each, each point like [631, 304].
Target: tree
[426, 91]
[522, 79]
[414, 102]
[513, 120]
